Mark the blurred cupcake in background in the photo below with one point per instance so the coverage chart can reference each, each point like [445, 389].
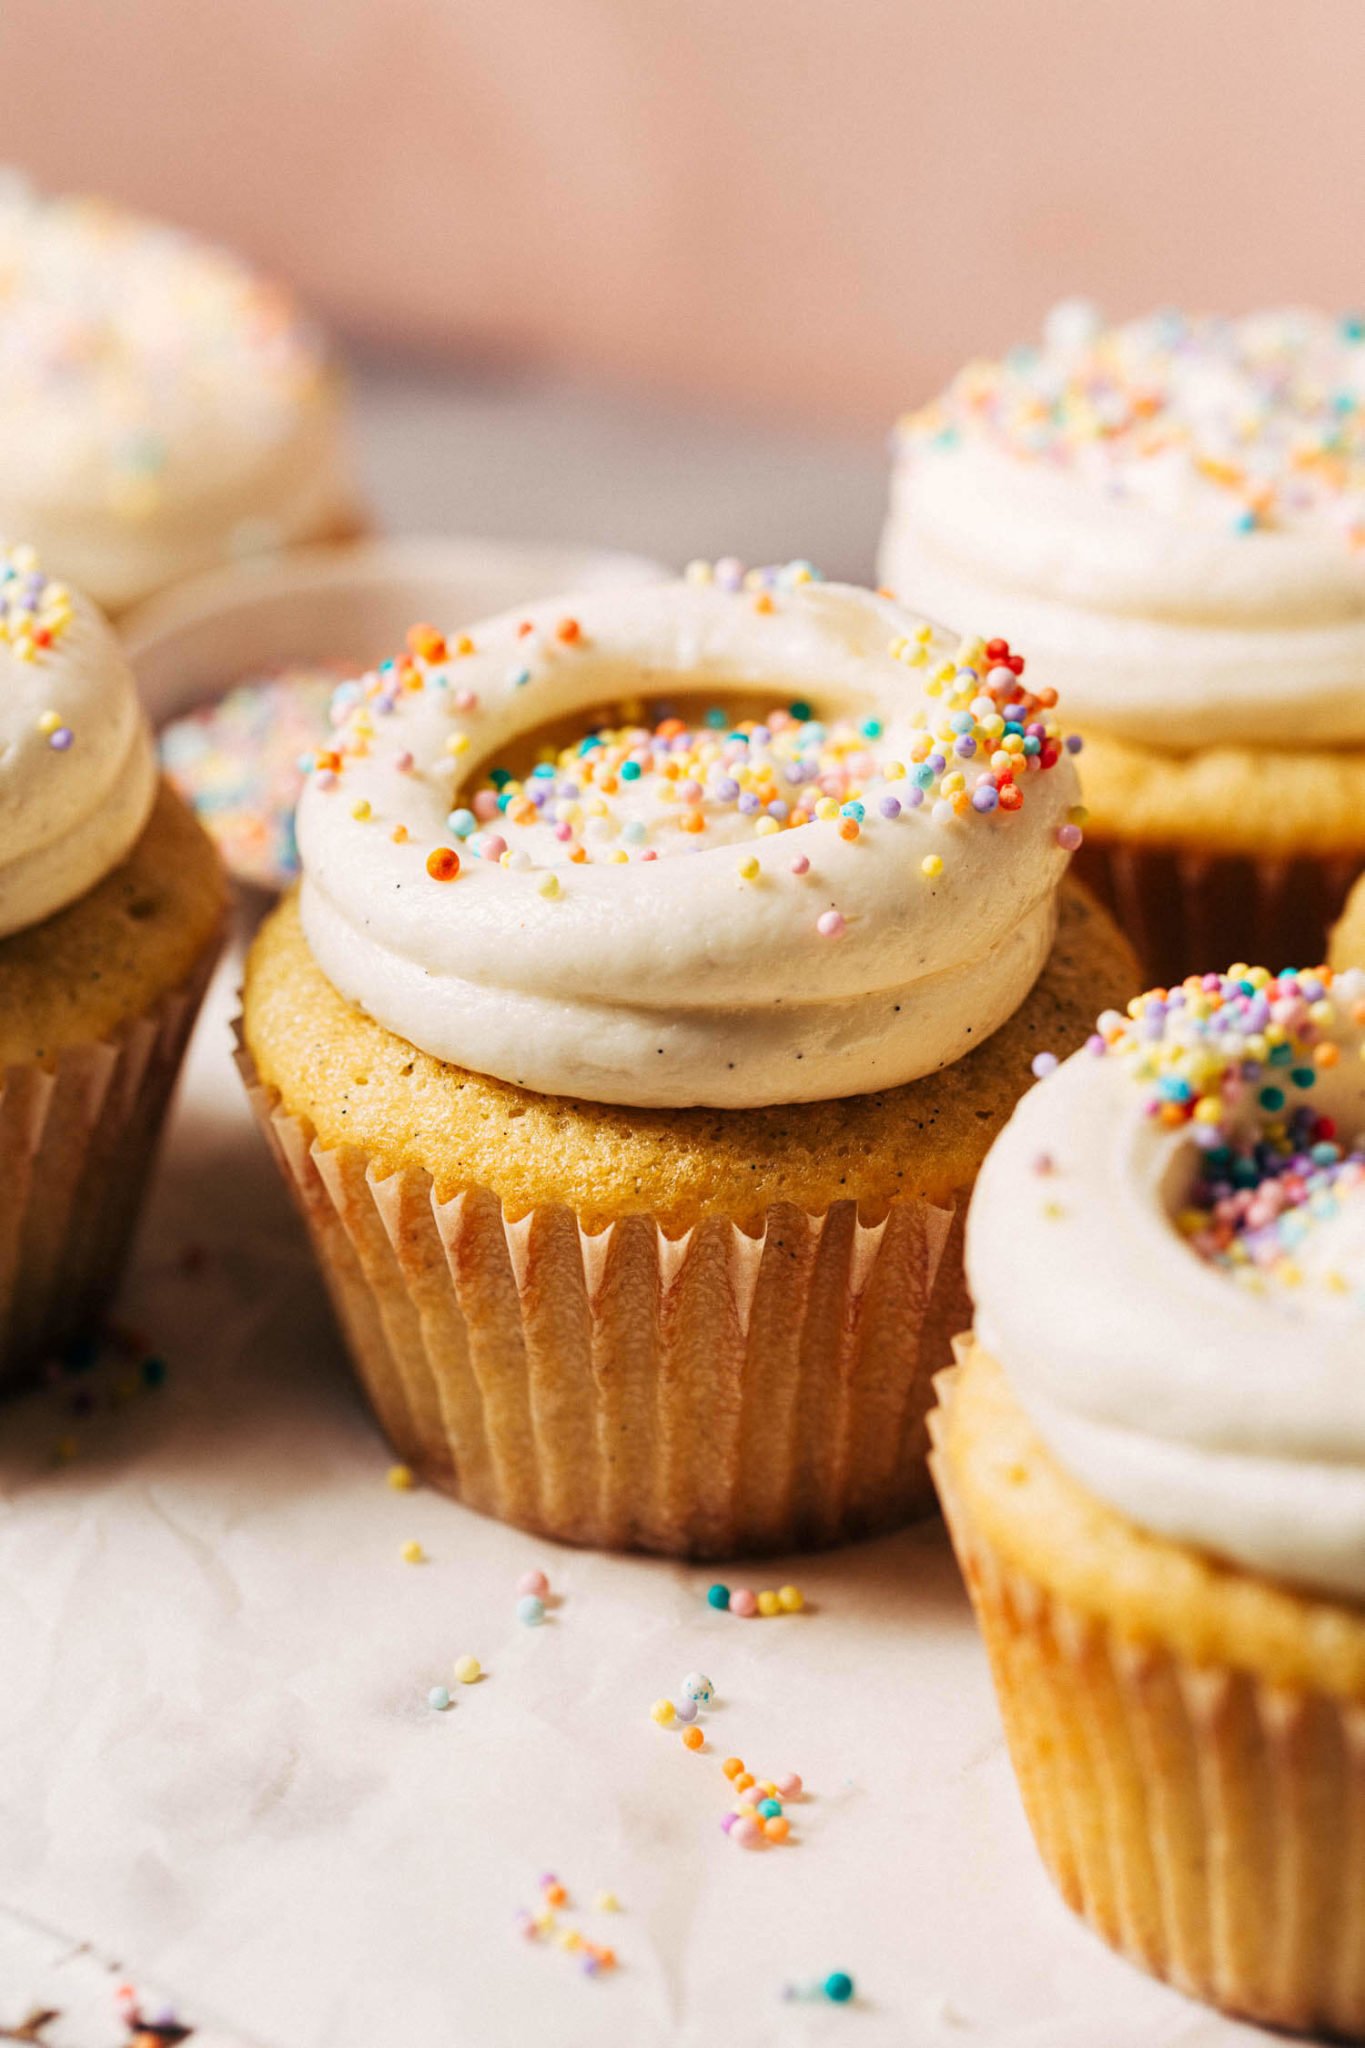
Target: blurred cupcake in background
[1152, 1460]
[162, 408]
[1170, 516]
[664, 962]
[111, 912]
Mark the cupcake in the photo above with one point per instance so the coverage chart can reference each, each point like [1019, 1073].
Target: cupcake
[111, 906]
[1152, 1460]
[662, 966]
[162, 408]
[1170, 516]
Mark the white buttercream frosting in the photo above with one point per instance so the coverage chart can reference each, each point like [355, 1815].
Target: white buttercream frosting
[751, 899]
[1170, 514]
[1166, 1248]
[77, 766]
[162, 408]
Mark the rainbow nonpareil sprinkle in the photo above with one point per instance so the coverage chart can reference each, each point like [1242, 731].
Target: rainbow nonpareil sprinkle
[651, 781]
[1236, 1058]
[35, 611]
[1254, 425]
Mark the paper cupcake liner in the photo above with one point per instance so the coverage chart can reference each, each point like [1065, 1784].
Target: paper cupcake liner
[1188, 913]
[703, 1396]
[1208, 1825]
[78, 1138]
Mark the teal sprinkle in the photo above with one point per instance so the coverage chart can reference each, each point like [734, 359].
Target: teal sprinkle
[1280, 1055]
[871, 728]
[800, 709]
[717, 719]
[630, 771]
[499, 777]
[1304, 1077]
[1271, 1099]
[1353, 328]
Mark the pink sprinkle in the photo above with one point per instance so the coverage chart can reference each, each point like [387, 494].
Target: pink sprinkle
[403, 761]
[466, 700]
[747, 1831]
[790, 1786]
[650, 853]
[326, 778]
[801, 865]
[564, 832]
[1069, 837]
[743, 1602]
[830, 925]
[493, 847]
[486, 805]
[535, 1582]
[691, 792]
[727, 1821]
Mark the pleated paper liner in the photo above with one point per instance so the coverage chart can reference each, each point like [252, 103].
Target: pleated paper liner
[1208, 1825]
[710, 1395]
[1188, 913]
[77, 1142]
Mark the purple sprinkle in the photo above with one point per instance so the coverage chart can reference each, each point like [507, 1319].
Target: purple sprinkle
[1044, 1063]
[1096, 1045]
[890, 807]
[985, 798]
[61, 739]
[965, 747]
[727, 789]
[728, 1820]
[1074, 743]
[748, 802]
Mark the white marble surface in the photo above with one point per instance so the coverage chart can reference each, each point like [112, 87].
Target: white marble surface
[218, 1773]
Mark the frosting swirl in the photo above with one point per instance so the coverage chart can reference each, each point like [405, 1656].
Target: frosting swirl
[77, 768]
[529, 855]
[1170, 514]
[1193, 1184]
[161, 407]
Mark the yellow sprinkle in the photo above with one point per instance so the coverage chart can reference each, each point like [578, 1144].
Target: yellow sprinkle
[413, 1553]
[663, 1712]
[468, 1670]
[748, 868]
[401, 1479]
[457, 743]
[931, 865]
[549, 886]
[361, 809]
[791, 1599]
[768, 1603]
[49, 722]
[607, 1902]
[766, 827]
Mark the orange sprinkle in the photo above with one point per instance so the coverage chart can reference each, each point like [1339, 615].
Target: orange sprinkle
[778, 1828]
[732, 1766]
[849, 828]
[763, 602]
[464, 645]
[693, 1738]
[399, 835]
[426, 642]
[568, 630]
[555, 1895]
[443, 864]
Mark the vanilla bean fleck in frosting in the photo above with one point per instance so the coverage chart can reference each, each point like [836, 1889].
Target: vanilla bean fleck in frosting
[1193, 1182]
[738, 840]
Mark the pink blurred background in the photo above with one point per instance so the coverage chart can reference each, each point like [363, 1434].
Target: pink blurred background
[809, 208]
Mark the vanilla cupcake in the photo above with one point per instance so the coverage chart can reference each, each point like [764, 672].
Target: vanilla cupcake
[1152, 1459]
[662, 967]
[1170, 516]
[162, 408]
[111, 905]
